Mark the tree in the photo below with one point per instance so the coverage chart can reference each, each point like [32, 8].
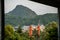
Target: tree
[19, 30]
[17, 36]
[10, 34]
[51, 31]
[9, 31]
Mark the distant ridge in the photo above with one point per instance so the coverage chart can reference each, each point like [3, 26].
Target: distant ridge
[24, 16]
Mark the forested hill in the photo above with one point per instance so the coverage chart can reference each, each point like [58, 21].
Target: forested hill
[22, 11]
[22, 15]
[49, 17]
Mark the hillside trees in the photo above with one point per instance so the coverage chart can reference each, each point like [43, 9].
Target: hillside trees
[19, 30]
[51, 31]
[10, 34]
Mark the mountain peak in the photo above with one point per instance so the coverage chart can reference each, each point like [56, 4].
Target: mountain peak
[22, 11]
[18, 6]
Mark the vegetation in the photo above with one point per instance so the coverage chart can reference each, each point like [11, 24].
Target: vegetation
[49, 33]
[10, 34]
[15, 20]
[25, 16]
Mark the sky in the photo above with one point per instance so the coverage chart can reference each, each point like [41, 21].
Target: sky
[38, 8]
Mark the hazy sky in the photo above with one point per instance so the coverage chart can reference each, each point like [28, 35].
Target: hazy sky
[36, 7]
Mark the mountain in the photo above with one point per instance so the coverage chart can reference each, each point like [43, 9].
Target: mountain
[22, 12]
[18, 15]
[49, 17]
[22, 15]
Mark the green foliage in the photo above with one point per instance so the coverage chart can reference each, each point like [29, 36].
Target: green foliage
[34, 32]
[10, 34]
[9, 30]
[19, 30]
[44, 19]
[17, 36]
[51, 31]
